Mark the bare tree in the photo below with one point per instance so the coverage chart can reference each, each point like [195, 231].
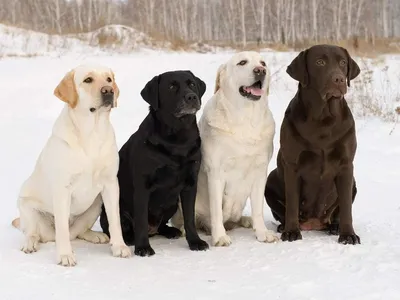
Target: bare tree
[220, 21]
[243, 21]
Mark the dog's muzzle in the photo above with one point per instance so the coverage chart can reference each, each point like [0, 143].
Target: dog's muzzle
[107, 96]
[255, 91]
[190, 105]
[336, 88]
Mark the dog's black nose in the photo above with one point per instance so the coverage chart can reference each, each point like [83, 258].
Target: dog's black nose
[191, 97]
[260, 71]
[107, 95]
[338, 79]
[107, 90]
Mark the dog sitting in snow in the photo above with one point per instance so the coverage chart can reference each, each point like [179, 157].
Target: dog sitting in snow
[237, 131]
[76, 171]
[313, 187]
[159, 164]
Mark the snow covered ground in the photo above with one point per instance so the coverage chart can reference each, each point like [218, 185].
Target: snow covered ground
[312, 269]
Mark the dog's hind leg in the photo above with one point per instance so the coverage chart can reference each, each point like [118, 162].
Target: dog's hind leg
[177, 219]
[246, 222]
[169, 232]
[81, 227]
[127, 227]
[165, 230]
[274, 195]
[35, 225]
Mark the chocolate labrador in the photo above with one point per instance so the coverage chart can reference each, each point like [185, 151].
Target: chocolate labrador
[159, 164]
[313, 187]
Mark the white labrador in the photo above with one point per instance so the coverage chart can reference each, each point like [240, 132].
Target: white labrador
[237, 131]
[76, 171]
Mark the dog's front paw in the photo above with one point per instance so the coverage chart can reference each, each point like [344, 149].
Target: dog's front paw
[31, 244]
[266, 236]
[144, 251]
[333, 229]
[66, 260]
[222, 241]
[121, 250]
[291, 235]
[351, 239]
[198, 245]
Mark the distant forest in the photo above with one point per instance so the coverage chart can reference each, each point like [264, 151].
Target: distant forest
[219, 21]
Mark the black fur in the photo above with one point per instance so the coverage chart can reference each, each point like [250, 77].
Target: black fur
[159, 164]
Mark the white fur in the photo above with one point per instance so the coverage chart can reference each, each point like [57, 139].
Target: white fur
[75, 172]
[237, 145]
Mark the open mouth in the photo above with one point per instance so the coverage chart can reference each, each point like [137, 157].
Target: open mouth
[252, 92]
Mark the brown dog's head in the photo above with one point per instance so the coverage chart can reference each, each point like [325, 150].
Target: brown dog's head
[325, 69]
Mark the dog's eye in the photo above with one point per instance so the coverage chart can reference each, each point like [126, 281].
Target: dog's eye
[109, 79]
[320, 62]
[263, 63]
[88, 80]
[171, 86]
[192, 85]
[242, 62]
[342, 63]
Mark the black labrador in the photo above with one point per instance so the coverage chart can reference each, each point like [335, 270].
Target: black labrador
[313, 187]
[159, 164]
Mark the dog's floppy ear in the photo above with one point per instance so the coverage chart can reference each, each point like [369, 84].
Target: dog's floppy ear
[220, 74]
[353, 70]
[201, 85]
[115, 88]
[66, 90]
[298, 68]
[150, 92]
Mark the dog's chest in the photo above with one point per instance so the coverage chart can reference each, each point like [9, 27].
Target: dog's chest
[167, 183]
[320, 164]
[170, 178]
[237, 155]
[85, 185]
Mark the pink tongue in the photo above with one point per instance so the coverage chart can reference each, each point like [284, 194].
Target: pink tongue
[254, 91]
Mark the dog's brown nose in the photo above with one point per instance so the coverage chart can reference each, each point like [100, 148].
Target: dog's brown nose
[107, 90]
[338, 79]
[260, 71]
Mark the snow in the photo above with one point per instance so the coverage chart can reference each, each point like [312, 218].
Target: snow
[116, 38]
[21, 42]
[314, 268]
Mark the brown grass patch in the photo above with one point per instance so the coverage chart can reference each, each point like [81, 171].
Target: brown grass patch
[368, 98]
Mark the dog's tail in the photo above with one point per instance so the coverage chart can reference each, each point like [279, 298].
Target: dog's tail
[16, 223]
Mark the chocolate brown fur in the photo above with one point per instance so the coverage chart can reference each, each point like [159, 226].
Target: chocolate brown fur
[313, 187]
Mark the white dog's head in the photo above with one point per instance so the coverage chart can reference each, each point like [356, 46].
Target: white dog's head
[89, 87]
[245, 74]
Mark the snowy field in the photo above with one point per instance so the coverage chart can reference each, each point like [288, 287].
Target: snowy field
[314, 268]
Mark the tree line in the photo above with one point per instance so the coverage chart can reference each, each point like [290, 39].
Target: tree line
[219, 21]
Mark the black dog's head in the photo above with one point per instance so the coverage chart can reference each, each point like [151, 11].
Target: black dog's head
[178, 93]
[325, 69]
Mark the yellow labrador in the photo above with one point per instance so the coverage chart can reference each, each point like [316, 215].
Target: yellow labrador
[237, 131]
[76, 171]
